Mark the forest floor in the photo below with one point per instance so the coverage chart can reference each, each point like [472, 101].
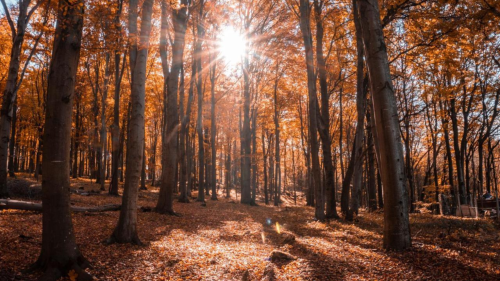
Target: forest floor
[225, 240]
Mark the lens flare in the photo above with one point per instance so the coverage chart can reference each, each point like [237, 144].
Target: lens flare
[232, 45]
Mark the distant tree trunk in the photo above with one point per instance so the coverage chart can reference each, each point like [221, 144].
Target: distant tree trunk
[126, 230]
[372, 189]
[254, 155]
[213, 127]
[228, 169]
[199, 126]
[396, 220]
[309, 194]
[458, 156]
[12, 141]
[143, 168]
[264, 156]
[115, 128]
[346, 183]
[449, 157]
[246, 197]
[103, 134]
[360, 127]
[277, 132]
[305, 26]
[185, 145]
[77, 140]
[60, 253]
[170, 143]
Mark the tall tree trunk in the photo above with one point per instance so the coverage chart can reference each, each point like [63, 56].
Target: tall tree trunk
[396, 219]
[60, 253]
[169, 153]
[213, 127]
[324, 120]
[360, 127]
[199, 124]
[246, 197]
[115, 128]
[305, 27]
[126, 230]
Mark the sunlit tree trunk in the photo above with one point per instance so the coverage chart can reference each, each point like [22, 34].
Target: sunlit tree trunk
[126, 230]
[396, 220]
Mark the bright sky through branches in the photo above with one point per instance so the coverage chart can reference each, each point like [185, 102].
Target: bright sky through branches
[231, 45]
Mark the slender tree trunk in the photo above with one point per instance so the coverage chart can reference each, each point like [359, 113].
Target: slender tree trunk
[360, 127]
[115, 128]
[324, 118]
[12, 141]
[264, 156]
[213, 128]
[305, 26]
[126, 230]
[372, 189]
[170, 143]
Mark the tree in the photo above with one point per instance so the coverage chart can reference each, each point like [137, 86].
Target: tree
[305, 27]
[60, 254]
[169, 157]
[396, 220]
[126, 230]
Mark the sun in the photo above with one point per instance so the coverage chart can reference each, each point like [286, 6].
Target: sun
[232, 45]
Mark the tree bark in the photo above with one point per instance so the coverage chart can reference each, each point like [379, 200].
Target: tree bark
[126, 230]
[60, 253]
[305, 27]
[170, 143]
[396, 219]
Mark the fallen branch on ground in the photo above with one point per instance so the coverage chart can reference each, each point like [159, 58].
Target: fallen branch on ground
[6, 204]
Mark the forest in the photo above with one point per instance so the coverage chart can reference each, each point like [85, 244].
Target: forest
[249, 140]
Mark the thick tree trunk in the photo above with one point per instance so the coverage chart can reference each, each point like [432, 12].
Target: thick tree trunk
[60, 252]
[396, 219]
[126, 230]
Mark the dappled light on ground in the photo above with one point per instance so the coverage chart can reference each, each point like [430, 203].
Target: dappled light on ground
[224, 240]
